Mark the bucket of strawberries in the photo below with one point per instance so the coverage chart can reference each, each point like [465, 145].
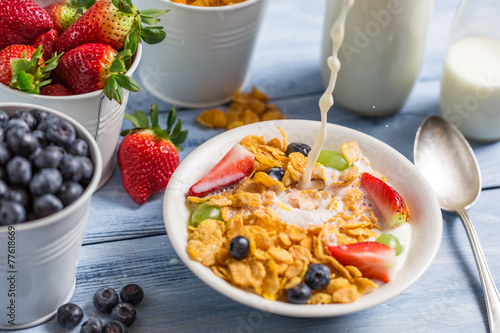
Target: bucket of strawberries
[78, 57]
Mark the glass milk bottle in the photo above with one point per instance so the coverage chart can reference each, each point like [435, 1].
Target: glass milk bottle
[381, 55]
[470, 86]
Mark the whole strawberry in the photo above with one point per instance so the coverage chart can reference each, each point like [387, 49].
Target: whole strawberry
[22, 67]
[65, 13]
[92, 67]
[21, 21]
[147, 155]
[113, 22]
[47, 41]
[55, 90]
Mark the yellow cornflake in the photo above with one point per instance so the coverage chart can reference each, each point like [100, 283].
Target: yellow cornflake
[351, 151]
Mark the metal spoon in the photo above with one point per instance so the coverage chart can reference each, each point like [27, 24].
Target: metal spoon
[448, 162]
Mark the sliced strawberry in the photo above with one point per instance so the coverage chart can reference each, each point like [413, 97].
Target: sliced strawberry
[374, 260]
[232, 168]
[56, 90]
[387, 200]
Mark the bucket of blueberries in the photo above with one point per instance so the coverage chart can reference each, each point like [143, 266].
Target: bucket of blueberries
[50, 166]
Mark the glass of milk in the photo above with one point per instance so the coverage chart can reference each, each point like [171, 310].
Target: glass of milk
[470, 86]
[381, 54]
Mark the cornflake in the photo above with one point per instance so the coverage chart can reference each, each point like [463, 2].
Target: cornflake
[281, 251]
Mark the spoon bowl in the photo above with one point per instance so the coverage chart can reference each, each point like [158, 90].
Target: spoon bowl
[446, 159]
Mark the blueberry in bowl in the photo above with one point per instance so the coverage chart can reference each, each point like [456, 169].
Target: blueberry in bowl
[50, 166]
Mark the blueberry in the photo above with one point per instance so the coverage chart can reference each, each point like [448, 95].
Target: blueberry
[4, 118]
[21, 141]
[5, 154]
[19, 171]
[46, 205]
[20, 195]
[132, 294]
[70, 168]
[87, 168]
[41, 137]
[298, 294]
[3, 173]
[16, 122]
[69, 315]
[38, 114]
[11, 212]
[92, 325]
[4, 190]
[61, 133]
[45, 181]
[79, 148]
[2, 134]
[125, 313]
[298, 147]
[114, 327]
[317, 276]
[105, 299]
[239, 247]
[27, 117]
[276, 173]
[46, 121]
[50, 157]
[69, 192]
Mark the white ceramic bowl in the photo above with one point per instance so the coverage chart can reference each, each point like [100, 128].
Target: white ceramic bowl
[38, 258]
[426, 223]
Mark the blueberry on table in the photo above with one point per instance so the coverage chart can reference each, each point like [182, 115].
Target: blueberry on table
[11, 212]
[46, 205]
[114, 326]
[19, 171]
[239, 247]
[61, 133]
[45, 181]
[125, 313]
[317, 276]
[69, 315]
[105, 299]
[132, 294]
[92, 325]
[298, 147]
[276, 173]
[69, 192]
[298, 294]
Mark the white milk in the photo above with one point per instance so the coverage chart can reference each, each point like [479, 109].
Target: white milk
[470, 87]
[381, 54]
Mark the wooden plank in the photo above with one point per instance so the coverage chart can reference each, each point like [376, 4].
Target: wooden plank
[448, 298]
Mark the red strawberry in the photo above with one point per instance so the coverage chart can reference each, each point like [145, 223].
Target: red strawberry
[110, 22]
[147, 155]
[22, 68]
[387, 200]
[232, 168]
[64, 13]
[374, 260]
[55, 90]
[47, 41]
[21, 21]
[92, 67]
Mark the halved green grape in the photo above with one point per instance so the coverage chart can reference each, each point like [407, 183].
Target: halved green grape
[203, 212]
[332, 159]
[391, 241]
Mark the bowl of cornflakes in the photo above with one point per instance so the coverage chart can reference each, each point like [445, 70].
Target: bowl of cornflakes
[250, 219]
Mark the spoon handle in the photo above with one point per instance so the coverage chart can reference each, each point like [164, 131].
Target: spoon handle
[491, 296]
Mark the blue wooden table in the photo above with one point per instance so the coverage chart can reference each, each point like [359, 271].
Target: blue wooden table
[125, 243]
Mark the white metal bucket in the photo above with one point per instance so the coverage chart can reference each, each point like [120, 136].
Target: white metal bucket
[38, 258]
[206, 54]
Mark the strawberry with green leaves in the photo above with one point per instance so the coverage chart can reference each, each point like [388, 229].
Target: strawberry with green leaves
[47, 41]
[113, 22]
[94, 66]
[148, 155]
[22, 67]
[21, 21]
[64, 13]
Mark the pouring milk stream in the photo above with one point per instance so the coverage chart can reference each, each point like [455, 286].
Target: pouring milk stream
[326, 100]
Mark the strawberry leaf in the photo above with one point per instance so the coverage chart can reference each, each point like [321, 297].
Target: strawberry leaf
[180, 139]
[150, 20]
[126, 82]
[25, 82]
[125, 6]
[118, 96]
[125, 132]
[141, 118]
[118, 66]
[21, 65]
[154, 115]
[172, 115]
[177, 130]
[152, 13]
[153, 35]
[110, 88]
